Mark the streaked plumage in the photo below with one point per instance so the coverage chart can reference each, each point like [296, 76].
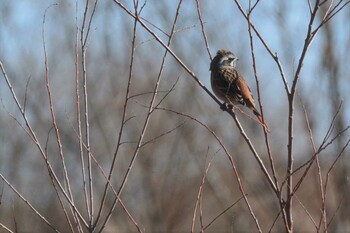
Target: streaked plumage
[229, 85]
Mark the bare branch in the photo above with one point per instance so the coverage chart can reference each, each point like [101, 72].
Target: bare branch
[223, 212]
[151, 104]
[28, 203]
[54, 122]
[26, 94]
[78, 113]
[51, 172]
[155, 26]
[203, 30]
[229, 157]
[336, 211]
[162, 134]
[121, 130]
[268, 49]
[200, 191]
[6, 228]
[259, 95]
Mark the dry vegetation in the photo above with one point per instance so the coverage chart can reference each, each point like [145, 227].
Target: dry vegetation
[108, 123]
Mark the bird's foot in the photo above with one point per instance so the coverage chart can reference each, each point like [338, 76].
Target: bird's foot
[223, 106]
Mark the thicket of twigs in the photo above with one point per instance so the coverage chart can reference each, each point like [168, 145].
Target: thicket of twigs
[108, 123]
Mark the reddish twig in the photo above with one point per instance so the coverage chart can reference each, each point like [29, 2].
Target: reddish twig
[325, 143]
[110, 185]
[192, 75]
[162, 134]
[259, 96]
[150, 109]
[327, 179]
[310, 35]
[335, 212]
[54, 122]
[56, 189]
[83, 42]
[78, 113]
[35, 140]
[200, 191]
[323, 216]
[28, 203]
[268, 49]
[203, 31]
[121, 130]
[223, 212]
[229, 156]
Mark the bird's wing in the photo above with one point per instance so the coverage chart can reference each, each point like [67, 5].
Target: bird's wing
[230, 87]
[246, 93]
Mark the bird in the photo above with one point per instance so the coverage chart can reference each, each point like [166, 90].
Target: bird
[229, 85]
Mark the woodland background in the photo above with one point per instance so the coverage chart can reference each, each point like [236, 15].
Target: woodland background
[180, 177]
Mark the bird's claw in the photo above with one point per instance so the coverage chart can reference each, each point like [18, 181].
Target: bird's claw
[223, 107]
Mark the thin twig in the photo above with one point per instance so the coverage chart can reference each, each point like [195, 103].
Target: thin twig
[229, 156]
[310, 6]
[332, 13]
[291, 96]
[56, 188]
[307, 212]
[155, 26]
[167, 93]
[84, 40]
[110, 185]
[2, 192]
[35, 140]
[259, 98]
[150, 109]
[26, 94]
[6, 228]
[319, 172]
[145, 93]
[121, 130]
[325, 143]
[182, 64]
[203, 30]
[162, 134]
[53, 117]
[17, 121]
[335, 212]
[252, 8]
[256, 155]
[326, 184]
[192, 75]
[268, 49]
[14, 216]
[27, 203]
[223, 212]
[275, 220]
[78, 113]
[90, 21]
[200, 190]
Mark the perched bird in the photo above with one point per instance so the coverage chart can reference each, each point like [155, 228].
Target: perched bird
[229, 85]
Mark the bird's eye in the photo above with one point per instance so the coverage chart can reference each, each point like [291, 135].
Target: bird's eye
[230, 59]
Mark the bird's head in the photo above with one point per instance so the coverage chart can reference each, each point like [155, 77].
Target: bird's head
[223, 58]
